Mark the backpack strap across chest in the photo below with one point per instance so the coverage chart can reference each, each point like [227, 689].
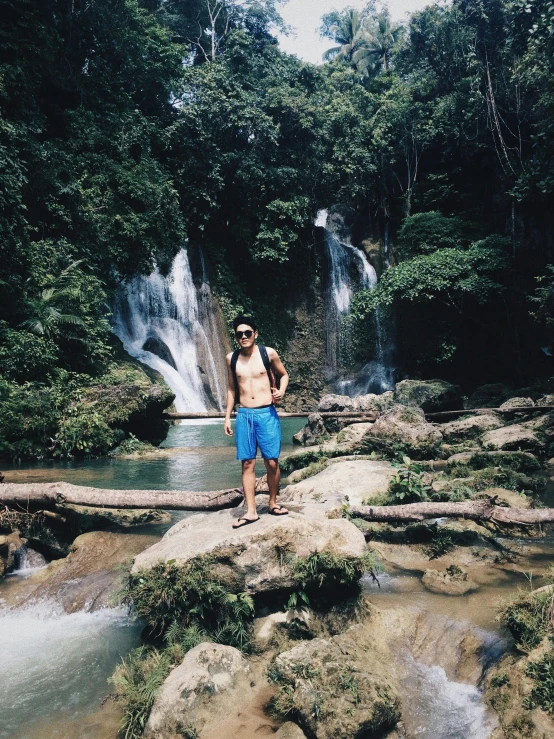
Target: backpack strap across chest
[267, 364]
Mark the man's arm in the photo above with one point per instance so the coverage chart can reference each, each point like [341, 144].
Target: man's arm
[230, 398]
[280, 370]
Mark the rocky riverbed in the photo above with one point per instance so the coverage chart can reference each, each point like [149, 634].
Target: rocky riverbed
[320, 624]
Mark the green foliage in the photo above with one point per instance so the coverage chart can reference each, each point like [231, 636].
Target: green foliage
[425, 233]
[407, 485]
[527, 617]
[542, 674]
[193, 596]
[137, 680]
[441, 543]
[324, 575]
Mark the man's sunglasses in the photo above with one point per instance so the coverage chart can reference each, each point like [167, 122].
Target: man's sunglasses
[240, 334]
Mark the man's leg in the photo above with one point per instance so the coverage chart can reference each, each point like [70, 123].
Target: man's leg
[249, 488]
[273, 480]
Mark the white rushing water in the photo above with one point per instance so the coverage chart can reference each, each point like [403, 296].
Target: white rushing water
[159, 322]
[435, 707]
[57, 663]
[349, 271]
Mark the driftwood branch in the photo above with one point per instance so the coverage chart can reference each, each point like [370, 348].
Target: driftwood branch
[476, 510]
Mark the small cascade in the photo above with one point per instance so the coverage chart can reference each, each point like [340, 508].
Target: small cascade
[165, 324]
[350, 270]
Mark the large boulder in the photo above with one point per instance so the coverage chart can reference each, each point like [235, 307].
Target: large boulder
[343, 687]
[372, 402]
[331, 403]
[488, 396]
[469, 427]
[406, 426]
[517, 403]
[431, 395]
[312, 432]
[513, 438]
[206, 671]
[250, 554]
[342, 481]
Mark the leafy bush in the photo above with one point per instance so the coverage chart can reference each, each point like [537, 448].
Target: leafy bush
[408, 486]
[192, 596]
[424, 233]
[25, 357]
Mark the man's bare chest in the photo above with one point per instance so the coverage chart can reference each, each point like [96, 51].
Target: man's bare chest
[251, 368]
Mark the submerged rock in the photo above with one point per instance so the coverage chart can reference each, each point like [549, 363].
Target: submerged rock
[470, 427]
[251, 553]
[431, 395]
[206, 670]
[343, 687]
[451, 582]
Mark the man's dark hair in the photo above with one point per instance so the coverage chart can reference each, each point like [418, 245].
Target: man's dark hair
[248, 320]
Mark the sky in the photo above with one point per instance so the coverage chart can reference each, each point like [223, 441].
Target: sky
[304, 16]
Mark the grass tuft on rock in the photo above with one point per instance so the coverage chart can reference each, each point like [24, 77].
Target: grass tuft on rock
[528, 617]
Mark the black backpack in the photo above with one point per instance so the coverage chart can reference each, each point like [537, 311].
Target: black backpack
[267, 365]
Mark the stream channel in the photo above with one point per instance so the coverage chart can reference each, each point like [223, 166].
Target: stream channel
[54, 666]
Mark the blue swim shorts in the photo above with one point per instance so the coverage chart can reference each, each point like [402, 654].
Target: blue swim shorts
[258, 427]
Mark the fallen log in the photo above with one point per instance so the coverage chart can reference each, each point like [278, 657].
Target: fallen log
[475, 510]
[364, 415]
[442, 415]
[24, 496]
[51, 494]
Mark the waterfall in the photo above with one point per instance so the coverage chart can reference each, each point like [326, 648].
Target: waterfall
[350, 270]
[161, 322]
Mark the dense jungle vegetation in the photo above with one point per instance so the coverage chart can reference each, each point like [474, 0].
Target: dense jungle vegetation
[129, 126]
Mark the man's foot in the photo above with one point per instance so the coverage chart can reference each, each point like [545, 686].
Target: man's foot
[243, 521]
[278, 510]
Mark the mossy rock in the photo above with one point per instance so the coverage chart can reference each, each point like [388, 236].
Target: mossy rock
[431, 395]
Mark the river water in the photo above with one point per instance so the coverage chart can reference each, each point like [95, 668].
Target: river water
[54, 666]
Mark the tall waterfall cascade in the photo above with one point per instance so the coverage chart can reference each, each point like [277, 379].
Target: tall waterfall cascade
[169, 325]
[349, 271]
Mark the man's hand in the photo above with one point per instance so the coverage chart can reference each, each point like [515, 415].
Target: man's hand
[227, 427]
[277, 394]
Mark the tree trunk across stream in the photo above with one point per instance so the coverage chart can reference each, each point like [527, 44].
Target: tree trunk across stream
[48, 495]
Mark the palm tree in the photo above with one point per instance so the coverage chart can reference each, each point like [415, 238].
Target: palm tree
[380, 37]
[348, 32]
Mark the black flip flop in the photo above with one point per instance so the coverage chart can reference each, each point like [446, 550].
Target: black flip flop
[246, 522]
[278, 507]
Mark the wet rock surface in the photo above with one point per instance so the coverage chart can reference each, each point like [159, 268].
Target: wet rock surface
[450, 582]
[91, 576]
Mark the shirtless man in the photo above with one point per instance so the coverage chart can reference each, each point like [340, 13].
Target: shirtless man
[257, 424]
